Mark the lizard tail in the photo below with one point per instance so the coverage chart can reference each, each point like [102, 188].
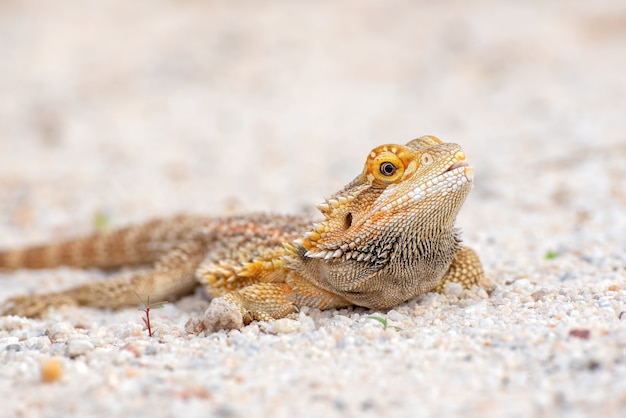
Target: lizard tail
[134, 245]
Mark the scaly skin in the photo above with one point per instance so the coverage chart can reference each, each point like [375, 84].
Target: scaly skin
[386, 237]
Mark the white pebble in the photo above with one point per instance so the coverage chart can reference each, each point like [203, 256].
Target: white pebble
[286, 326]
[453, 289]
[521, 284]
[78, 347]
[396, 316]
[306, 322]
[60, 332]
[486, 323]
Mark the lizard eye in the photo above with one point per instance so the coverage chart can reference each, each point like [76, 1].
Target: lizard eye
[387, 169]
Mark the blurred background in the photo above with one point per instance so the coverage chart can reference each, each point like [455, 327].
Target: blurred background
[127, 110]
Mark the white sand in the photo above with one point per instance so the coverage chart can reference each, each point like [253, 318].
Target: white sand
[149, 108]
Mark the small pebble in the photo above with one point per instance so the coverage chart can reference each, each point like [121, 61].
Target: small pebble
[396, 316]
[51, 370]
[583, 334]
[539, 295]
[60, 332]
[77, 348]
[521, 284]
[286, 326]
[453, 289]
[133, 349]
[486, 323]
[222, 315]
[151, 350]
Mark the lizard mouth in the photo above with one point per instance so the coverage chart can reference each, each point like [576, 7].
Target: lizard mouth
[457, 165]
[461, 168]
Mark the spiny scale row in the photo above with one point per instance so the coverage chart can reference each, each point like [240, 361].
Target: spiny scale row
[336, 202]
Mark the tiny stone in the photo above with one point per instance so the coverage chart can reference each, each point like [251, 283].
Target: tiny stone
[60, 332]
[76, 348]
[396, 316]
[151, 350]
[222, 315]
[133, 349]
[345, 342]
[11, 340]
[306, 323]
[51, 370]
[539, 295]
[521, 284]
[43, 343]
[286, 326]
[486, 323]
[583, 334]
[453, 289]
[57, 349]
[194, 326]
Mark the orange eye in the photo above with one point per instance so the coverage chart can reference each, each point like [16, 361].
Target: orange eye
[386, 167]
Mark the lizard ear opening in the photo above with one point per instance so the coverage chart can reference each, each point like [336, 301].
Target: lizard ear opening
[348, 220]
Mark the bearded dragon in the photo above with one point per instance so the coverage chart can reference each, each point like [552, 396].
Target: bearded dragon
[384, 238]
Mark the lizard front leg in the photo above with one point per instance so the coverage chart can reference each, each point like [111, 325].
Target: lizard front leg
[268, 301]
[466, 269]
[172, 275]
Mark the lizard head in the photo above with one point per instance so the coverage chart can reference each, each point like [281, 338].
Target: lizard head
[418, 185]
